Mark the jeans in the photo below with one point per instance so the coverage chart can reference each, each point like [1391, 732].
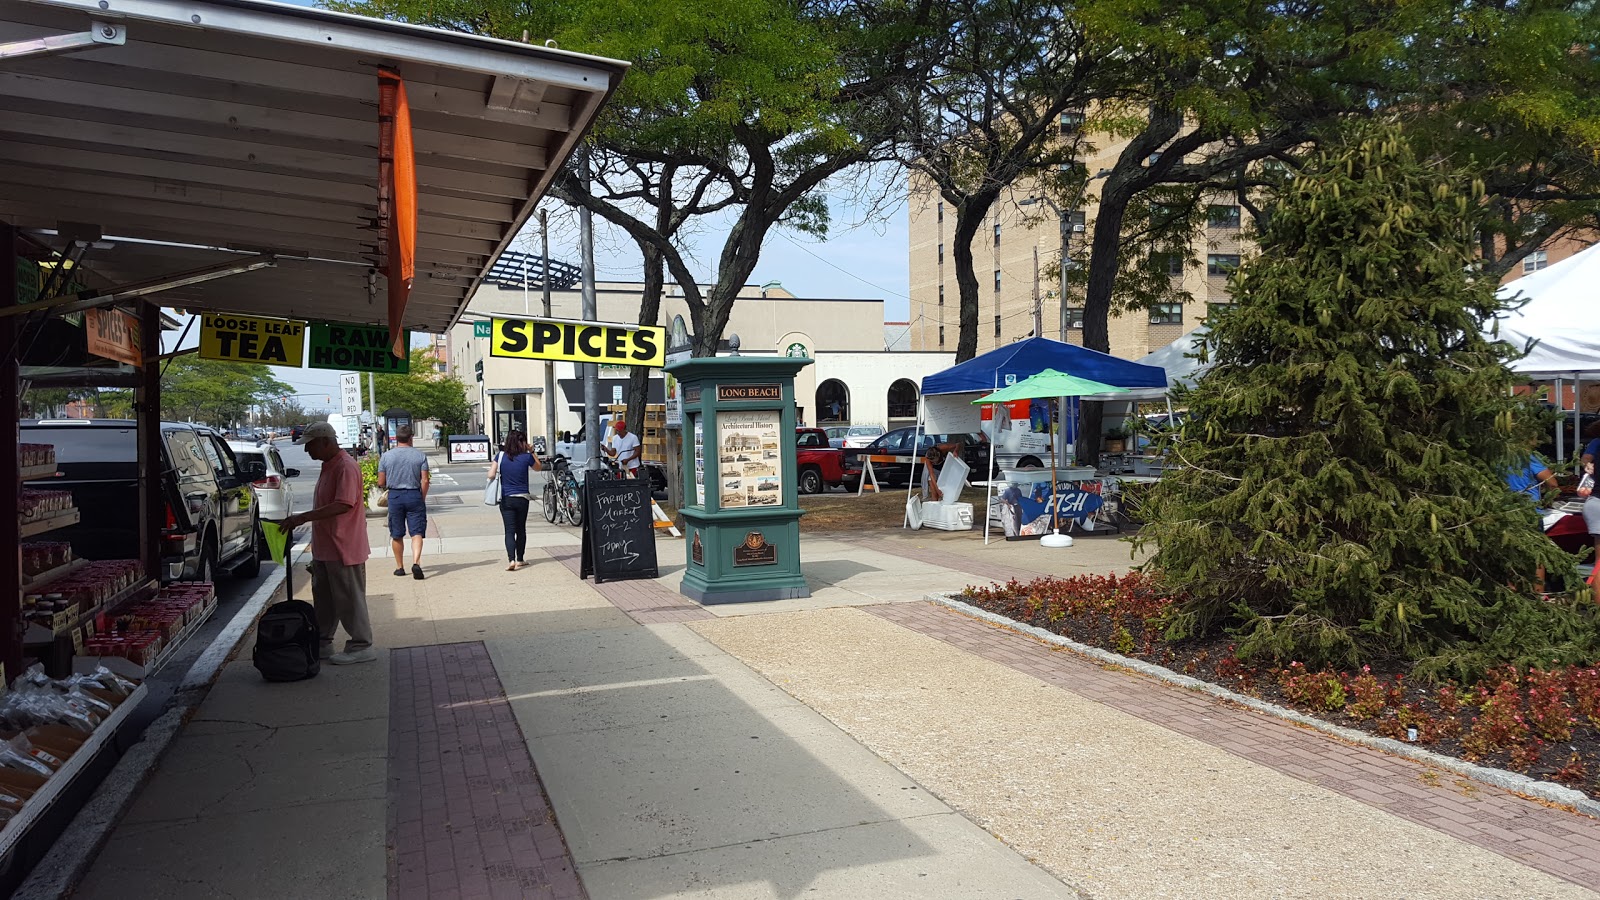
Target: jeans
[514, 513]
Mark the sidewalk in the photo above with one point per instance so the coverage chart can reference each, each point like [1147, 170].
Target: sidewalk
[528, 734]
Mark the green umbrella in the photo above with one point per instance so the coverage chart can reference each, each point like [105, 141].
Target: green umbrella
[1050, 383]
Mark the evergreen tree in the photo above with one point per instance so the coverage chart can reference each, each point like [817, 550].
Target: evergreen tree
[1341, 491]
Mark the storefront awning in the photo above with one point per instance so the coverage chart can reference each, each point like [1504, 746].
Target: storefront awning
[572, 390]
[206, 135]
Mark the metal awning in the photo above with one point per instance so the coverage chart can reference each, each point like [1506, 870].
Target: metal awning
[219, 131]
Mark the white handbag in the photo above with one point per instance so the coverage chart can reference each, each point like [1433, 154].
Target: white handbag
[491, 491]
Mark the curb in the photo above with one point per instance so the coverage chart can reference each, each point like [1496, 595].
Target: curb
[75, 850]
[1547, 791]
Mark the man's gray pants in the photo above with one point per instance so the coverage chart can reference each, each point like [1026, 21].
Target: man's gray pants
[339, 595]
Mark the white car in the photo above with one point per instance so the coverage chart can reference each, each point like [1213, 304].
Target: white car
[273, 493]
[861, 435]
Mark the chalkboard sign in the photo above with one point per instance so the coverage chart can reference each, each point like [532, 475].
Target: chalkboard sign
[619, 536]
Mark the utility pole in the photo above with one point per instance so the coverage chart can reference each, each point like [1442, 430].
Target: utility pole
[549, 366]
[591, 312]
[1038, 304]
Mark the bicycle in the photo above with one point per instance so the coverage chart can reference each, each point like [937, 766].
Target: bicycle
[561, 499]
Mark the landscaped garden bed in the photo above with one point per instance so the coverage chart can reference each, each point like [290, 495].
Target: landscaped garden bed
[1543, 723]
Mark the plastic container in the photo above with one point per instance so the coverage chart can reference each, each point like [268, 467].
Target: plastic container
[947, 516]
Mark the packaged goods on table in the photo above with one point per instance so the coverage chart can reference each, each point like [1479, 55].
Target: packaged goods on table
[37, 455]
[81, 591]
[42, 556]
[35, 505]
[51, 719]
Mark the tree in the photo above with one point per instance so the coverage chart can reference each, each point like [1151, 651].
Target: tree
[218, 393]
[424, 392]
[1341, 495]
[991, 111]
[743, 108]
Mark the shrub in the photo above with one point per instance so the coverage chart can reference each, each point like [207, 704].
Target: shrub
[1318, 690]
[1367, 697]
[1499, 724]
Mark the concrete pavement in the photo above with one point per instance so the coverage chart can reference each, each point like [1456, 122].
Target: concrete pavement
[538, 741]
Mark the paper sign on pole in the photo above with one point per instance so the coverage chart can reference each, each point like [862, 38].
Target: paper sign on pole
[616, 394]
[230, 338]
[113, 334]
[602, 343]
[350, 393]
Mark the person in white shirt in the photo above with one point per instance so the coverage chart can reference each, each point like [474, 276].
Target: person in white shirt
[624, 448]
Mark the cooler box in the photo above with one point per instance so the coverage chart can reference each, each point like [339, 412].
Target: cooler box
[947, 516]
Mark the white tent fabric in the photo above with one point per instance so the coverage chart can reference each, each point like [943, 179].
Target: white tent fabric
[1560, 307]
[1175, 358]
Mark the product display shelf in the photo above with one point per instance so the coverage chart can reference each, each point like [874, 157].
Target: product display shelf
[59, 520]
[34, 473]
[39, 634]
[49, 575]
[63, 777]
[127, 668]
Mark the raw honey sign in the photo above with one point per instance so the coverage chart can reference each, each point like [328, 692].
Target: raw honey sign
[588, 342]
[362, 348]
[275, 342]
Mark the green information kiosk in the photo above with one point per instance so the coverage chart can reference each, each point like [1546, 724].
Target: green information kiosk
[741, 505]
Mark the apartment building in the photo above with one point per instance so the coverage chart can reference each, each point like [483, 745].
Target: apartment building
[1018, 251]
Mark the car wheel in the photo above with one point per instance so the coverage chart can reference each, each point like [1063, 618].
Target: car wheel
[250, 565]
[1030, 462]
[810, 482]
[206, 568]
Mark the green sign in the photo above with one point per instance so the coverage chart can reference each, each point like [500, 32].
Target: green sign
[355, 348]
[483, 329]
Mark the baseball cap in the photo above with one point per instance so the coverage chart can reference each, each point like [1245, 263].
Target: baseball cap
[619, 424]
[317, 430]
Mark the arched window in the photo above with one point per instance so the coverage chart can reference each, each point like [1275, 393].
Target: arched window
[833, 402]
[903, 399]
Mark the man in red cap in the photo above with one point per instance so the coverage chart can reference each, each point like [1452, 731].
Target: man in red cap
[624, 448]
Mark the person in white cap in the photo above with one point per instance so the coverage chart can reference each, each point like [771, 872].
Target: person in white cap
[339, 548]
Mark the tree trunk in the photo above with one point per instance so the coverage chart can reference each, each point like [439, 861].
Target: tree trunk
[649, 313]
[968, 218]
[1104, 261]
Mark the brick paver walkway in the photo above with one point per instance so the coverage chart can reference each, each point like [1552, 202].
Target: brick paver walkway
[468, 816]
[1556, 841]
[644, 601]
[946, 560]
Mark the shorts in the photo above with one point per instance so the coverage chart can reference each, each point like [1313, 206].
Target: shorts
[407, 512]
[1591, 514]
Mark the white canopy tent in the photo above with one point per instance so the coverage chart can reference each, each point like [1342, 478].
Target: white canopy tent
[1558, 311]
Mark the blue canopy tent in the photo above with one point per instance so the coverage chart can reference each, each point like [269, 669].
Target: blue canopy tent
[1025, 359]
[947, 396]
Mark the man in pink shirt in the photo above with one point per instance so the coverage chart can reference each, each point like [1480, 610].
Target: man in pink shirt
[339, 548]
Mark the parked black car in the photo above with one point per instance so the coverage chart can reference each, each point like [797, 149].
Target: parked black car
[212, 522]
[899, 442]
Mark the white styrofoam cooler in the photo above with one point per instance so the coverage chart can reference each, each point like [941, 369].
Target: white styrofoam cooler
[1042, 476]
[947, 516]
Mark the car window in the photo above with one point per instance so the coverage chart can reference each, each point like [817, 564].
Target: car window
[893, 441]
[187, 457]
[277, 461]
[865, 430]
[809, 439]
[79, 444]
[229, 467]
[244, 458]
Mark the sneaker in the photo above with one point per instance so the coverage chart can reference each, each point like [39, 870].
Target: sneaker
[400, 571]
[351, 657]
[416, 571]
[324, 651]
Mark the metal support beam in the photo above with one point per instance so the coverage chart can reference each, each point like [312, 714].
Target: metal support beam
[100, 34]
[93, 299]
[147, 409]
[10, 466]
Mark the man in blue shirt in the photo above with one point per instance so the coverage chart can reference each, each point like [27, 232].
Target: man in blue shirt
[403, 471]
[1530, 479]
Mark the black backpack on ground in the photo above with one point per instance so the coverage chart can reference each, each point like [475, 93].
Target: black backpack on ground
[286, 642]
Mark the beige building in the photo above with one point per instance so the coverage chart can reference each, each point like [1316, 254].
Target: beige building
[848, 339]
[1018, 251]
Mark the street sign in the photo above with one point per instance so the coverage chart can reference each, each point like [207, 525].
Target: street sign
[482, 330]
[350, 394]
[364, 348]
[229, 338]
[602, 343]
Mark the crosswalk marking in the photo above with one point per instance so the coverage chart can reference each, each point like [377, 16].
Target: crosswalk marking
[446, 478]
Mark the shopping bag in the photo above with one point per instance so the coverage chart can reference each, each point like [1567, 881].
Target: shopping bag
[277, 540]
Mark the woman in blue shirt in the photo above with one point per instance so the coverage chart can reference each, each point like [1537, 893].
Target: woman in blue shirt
[513, 466]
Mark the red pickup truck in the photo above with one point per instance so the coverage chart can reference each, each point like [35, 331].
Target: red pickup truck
[820, 465]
